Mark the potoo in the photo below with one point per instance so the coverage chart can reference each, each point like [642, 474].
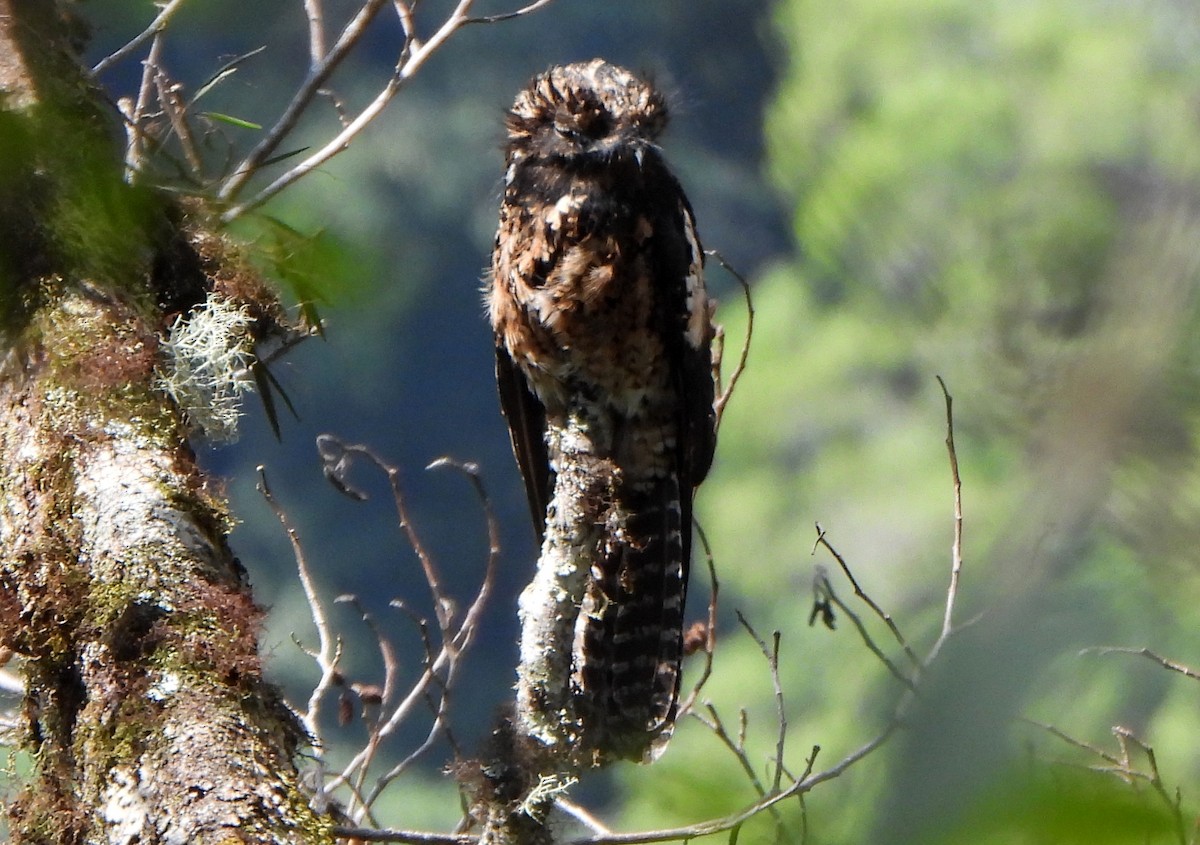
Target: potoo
[602, 323]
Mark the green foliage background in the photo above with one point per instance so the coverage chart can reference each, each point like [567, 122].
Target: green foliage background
[1003, 194]
[1000, 193]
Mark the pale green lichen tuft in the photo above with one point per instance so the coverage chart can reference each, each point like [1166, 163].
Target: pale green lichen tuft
[208, 355]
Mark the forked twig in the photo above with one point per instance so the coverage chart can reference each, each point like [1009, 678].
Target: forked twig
[772, 657]
[1122, 767]
[725, 394]
[861, 594]
[825, 588]
[739, 818]
[411, 57]
[434, 686]
[768, 799]
[329, 647]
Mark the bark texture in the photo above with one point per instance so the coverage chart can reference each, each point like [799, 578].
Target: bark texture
[147, 718]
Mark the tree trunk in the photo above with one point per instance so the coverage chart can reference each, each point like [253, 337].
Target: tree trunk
[146, 715]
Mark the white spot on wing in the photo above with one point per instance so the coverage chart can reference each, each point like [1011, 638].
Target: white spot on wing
[696, 297]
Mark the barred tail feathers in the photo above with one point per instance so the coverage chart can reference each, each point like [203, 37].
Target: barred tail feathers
[633, 620]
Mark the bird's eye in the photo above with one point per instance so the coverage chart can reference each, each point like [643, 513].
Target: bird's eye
[568, 132]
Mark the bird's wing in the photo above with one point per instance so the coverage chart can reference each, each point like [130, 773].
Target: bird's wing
[527, 428]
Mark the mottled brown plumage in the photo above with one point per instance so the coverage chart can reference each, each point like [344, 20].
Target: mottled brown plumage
[598, 303]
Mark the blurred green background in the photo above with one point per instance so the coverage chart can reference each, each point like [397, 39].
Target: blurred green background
[1001, 193]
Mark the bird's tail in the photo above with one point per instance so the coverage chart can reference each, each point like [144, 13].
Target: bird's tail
[632, 621]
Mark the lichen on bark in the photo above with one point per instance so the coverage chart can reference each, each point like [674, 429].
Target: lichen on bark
[146, 715]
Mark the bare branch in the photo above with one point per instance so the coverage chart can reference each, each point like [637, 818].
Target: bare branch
[772, 656]
[176, 111]
[710, 630]
[956, 545]
[412, 837]
[825, 589]
[1123, 768]
[315, 13]
[318, 74]
[729, 822]
[1165, 662]
[1078, 743]
[525, 10]
[1156, 781]
[328, 651]
[736, 747]
[581, 815]
[412, 57]
[442, 604]
[725, 395]
[471, 619]
[156, 28]
[135, 114]
[391, 670]
[434, 685]
[861, 594]
[808, 767]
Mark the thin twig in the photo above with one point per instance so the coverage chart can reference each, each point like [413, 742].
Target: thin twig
[471, 471]
[862, 595]
[412, 57]
[725, 395]
[808, 767]
[155, 28]
[176, 112]
[318, 74]
[729, 822]
[443, 662]
[328, 651]
[1070, 740]
[581, 815]
[436, 730]
[710, 632]
[441, 601]
[404, 11]
[1156, 781]
[391, 671]
[1122, 767]
[1165, 662]
[830, 595]
[737, 747]
[137, 114]
[956, 545]
[772, 656]
[506, 16]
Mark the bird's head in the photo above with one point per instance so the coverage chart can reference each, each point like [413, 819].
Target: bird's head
[586, 112]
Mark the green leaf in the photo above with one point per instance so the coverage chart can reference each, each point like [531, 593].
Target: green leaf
[230, 119]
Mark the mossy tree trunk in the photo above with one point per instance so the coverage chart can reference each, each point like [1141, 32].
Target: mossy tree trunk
[146, 715]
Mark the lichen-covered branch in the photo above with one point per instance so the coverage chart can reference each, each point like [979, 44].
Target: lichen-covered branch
[146, 714]
[539, 754]
[550, 606]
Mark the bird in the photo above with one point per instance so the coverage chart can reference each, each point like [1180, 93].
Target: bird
[601, 319]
